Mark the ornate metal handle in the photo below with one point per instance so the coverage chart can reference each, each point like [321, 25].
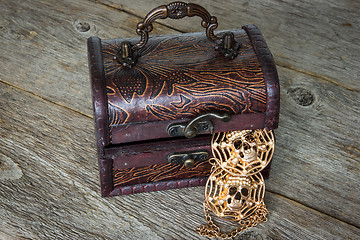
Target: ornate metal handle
[175, 10]
[127, 54]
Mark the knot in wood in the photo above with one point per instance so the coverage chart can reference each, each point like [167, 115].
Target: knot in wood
[301, 96]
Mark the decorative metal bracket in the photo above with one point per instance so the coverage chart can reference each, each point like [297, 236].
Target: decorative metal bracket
[198, 125]
[188, 158]
[126, 56]
[227, 46]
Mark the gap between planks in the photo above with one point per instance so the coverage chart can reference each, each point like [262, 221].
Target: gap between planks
[91, 117]
[46, 99]
[133, 14]
[281, 64]
[307, 206]
[314, 75]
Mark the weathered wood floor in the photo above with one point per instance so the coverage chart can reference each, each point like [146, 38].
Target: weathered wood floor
[49, 186]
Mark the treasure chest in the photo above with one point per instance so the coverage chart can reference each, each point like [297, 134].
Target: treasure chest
[161, 102]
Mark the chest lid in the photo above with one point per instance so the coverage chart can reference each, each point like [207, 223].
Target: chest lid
[177, 80]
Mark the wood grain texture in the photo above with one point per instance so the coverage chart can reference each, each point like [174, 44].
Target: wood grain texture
[319, 38]
[316, 160]
[317, 148]
[48, 40]
[58, 195]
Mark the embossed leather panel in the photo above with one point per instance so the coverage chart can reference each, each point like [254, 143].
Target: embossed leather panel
[180, 77]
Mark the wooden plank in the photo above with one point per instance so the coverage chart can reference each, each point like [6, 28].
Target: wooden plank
[318, 146]
[57, 196]
[318, 37]
[316, 160]
[327, 111]
[47, 41]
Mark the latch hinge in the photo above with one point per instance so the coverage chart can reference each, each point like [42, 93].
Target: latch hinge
[188, 158]
[198, 125]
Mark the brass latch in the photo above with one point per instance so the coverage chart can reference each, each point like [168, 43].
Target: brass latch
[188, 158]
[198, 125]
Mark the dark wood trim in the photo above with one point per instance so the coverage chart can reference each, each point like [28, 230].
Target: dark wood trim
[130, 132]
[166, 185]
[154, 152]
[270, 75]
[158, 186]
[96, 68]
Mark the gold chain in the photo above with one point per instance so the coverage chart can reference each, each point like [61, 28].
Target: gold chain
[235, 188]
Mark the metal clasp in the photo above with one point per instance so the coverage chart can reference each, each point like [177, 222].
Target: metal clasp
[198, 125]
[126, 56]
[227, 46]
[188, 158]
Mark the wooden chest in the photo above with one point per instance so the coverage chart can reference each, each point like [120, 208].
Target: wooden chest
[157, 101]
